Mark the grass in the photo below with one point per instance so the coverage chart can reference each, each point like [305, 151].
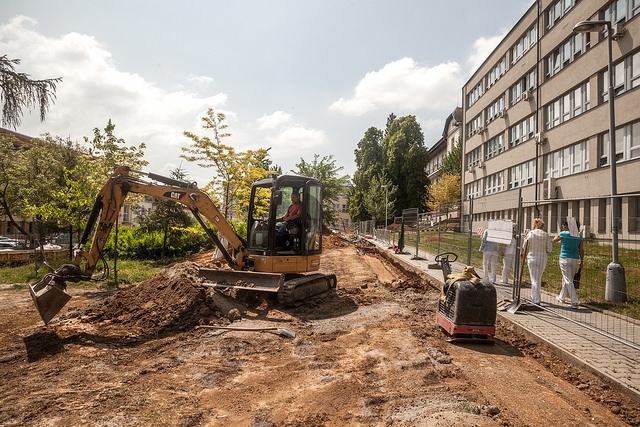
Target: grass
[129, 272]
[593, 281]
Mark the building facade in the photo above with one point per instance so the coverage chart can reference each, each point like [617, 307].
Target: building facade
[451, 134]
[536, 121]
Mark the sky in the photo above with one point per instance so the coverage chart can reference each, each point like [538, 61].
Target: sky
[302, 77]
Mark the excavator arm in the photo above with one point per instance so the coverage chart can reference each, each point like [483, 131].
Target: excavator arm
[113, 194]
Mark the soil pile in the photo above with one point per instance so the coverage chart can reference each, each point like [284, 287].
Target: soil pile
[172, 300]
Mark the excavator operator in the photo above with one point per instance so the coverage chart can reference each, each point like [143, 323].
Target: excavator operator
[294, 213]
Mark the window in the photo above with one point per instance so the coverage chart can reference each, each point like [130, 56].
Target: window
[474, 95]
[567, 106]
[126, 213]
[627, 144]
[495, 109]
[522, 174]
[566, 53]
[567, 161]
[494, 183]
[475, 125]
[522, 131]
[558, 10]
[523, 45]
[498, 71]
[474, 157]
[626, 76]
[473, 189]
[494, 146]
[528, 82]
[616, 11]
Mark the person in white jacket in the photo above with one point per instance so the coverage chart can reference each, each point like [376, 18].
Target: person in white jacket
[489, 251]
[539, 247]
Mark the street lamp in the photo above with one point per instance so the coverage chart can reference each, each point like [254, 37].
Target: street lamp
[386, 205]
[616, 289]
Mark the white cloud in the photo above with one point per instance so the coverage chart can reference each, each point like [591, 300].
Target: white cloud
[405, 85]
[201, 81]
[482, 48]
[274, 120]
[93, 90]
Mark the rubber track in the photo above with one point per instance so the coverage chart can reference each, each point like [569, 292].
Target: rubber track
[296, 290]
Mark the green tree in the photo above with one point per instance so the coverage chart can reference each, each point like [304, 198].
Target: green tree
[380, 198]
[168, 217]
[452, 161]
[333, 185]
[369, 159]
[234, 171]
[18, 91]
[398, 154]
[406, 159]
[110, 152]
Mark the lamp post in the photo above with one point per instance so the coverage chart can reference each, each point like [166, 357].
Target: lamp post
[386, 206]
[615, 290]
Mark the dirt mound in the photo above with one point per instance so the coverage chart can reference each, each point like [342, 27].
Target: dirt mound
[171, 300]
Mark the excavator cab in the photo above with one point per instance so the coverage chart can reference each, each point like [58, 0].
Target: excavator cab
[270, 199]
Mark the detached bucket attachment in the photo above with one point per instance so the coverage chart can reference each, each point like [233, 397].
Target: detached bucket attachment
[247, 280]
[49, 297]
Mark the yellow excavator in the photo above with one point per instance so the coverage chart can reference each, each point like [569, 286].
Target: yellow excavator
[271, 259]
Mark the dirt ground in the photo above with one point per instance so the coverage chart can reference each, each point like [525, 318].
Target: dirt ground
[367, 354]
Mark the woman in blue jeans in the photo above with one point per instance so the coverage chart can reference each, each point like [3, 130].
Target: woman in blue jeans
[571, 258]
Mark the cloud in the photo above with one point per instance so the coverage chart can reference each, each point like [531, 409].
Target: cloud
[94, 90]
[201, 81]
[404, 85]
[482, 48]
[274, 120]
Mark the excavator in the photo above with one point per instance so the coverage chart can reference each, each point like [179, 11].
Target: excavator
[271, 259]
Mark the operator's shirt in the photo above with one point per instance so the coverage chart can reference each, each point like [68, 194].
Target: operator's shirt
[294, 209]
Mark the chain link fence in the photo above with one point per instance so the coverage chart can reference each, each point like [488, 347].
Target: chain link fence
[435, 232]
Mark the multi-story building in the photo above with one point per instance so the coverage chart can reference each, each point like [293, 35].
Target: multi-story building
[536, 120]
[451, 134]
[341, 206]
[439, 150]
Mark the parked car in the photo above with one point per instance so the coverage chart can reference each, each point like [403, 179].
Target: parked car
[6, 245]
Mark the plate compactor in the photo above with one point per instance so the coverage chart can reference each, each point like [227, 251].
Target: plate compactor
[468, 304]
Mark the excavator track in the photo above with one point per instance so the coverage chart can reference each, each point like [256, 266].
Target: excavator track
[294, 291]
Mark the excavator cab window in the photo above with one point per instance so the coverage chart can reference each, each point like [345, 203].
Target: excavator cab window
[270, 200]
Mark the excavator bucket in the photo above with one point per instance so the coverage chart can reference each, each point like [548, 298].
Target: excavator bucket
[49, 297]
[247, 280]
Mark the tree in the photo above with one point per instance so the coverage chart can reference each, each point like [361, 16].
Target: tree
[111, 152]
[33, 177]
[18, 91]
[234, 171]
[333, 185]
[444, 195]
[166, 216]
[369, 159]
[398, 154]
[452, 161]
[380, 200]
[406, 159]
